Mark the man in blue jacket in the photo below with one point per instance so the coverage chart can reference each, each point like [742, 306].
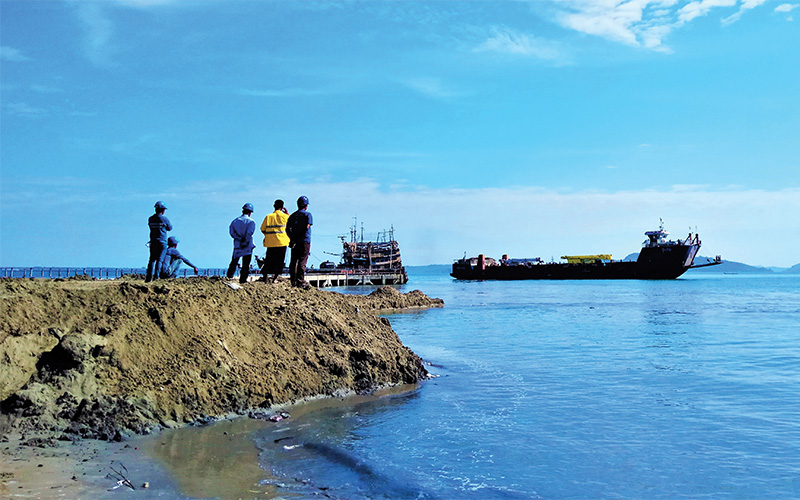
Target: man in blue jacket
[241, 230]
[298, 227]
[159, 225]
[172, 260]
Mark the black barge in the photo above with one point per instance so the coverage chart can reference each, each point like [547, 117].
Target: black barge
[659, 259]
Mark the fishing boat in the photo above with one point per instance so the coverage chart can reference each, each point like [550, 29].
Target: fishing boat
[659, 259]
[363, 262]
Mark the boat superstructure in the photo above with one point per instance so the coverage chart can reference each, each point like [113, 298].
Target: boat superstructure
[363, 262]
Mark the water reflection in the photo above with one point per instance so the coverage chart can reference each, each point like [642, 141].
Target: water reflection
[320, 452]
[217, 461]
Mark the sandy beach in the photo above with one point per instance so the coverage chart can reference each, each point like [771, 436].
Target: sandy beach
[67, 470]
[214, 461]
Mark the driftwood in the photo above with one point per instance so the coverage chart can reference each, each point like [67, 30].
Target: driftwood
[119, 474]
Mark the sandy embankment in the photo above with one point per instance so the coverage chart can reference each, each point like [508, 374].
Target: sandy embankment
[109, 359]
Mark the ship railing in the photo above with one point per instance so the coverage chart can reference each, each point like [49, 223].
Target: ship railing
[358, 272]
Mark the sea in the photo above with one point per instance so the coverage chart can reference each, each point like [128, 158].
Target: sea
[677, 389]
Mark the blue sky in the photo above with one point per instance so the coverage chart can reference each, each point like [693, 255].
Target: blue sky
[534, 128]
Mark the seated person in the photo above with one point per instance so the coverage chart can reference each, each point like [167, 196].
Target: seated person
[172, 260]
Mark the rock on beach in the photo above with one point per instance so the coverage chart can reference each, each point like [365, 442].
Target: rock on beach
[109, 358]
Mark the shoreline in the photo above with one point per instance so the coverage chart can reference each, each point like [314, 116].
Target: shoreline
[144, 376]
[218, 460]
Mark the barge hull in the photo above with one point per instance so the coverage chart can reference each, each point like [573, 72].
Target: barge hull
[658, 260]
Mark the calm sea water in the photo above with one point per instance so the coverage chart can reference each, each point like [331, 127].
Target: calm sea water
[572, 390]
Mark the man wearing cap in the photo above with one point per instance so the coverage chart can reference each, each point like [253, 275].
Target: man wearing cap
[276, 241]
[172, 260]
[299, 229]
[159, 225]
[241, 230]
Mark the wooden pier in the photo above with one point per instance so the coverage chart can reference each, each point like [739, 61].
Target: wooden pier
[323, 279]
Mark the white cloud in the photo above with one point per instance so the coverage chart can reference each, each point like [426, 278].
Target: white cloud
[431, 87]
[24, 109]
[633, 22]
[439, 225]
[145, 3]
[644, 23]
[752, 4]
[46, 89]
[432, 225]
[788, 8]
[12, 55]
[613, 23]
[507, 41]
[746, 5]
[98, 33]
[696, 9]
[99, 30]
[290, 92]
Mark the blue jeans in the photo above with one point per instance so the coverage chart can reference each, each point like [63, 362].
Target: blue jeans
[297, 263]
[245, 268]
[157, 251]
[170, 270]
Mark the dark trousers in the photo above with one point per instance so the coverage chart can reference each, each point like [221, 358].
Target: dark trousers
[297, 263]
[274, 261]
[245, 267]
[157, 252]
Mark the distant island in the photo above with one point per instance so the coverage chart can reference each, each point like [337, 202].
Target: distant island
[729, 266]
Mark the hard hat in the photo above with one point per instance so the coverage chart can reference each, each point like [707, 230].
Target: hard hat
[160, 205]
[172, 240]
[302, 201]
[248, 206]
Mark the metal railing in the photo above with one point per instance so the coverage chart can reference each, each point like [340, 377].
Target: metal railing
[92, 272]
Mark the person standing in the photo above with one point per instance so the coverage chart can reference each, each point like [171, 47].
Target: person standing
[299, 229]
[172, 260]
[275, 240]
[241, 230]
[159, 225]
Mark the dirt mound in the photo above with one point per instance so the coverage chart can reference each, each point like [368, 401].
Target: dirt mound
[102, 359]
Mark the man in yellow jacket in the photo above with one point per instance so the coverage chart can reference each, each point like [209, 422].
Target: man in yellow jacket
[276, 241]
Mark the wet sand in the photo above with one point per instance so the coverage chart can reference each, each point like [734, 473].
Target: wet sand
[67, 470]
[215, 461]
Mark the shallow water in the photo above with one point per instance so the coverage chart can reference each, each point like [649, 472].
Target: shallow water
[569, 390]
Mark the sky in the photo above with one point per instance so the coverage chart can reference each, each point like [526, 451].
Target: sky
[535, 128]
